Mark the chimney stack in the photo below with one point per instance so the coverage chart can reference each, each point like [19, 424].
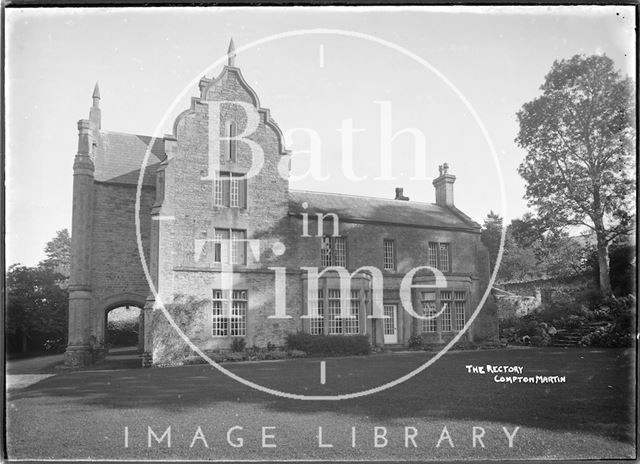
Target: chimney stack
[400, 194]
[444, 186]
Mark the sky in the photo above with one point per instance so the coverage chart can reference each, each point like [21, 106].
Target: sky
[454, 77]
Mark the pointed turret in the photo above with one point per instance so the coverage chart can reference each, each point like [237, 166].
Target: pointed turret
[96, 95]
[231, 54]
[95, 115]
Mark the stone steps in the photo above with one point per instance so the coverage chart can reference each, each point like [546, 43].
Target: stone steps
[571, 337]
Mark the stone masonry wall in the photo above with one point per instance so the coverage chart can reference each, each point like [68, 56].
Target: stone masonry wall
[117, 274]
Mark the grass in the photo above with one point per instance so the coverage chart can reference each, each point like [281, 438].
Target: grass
[83, 414]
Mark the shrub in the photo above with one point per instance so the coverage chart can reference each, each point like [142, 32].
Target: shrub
[235, 356]
[271, 347]
[465, 345]
[238, 345]
[540, 340]
[297, 354]
[328, 345]
[276, 354]
[528, 330]
[122, 332]
[57, 345]
[191, 360]
[415, 342]
[619, 313]
[260, 355]
[216, 356]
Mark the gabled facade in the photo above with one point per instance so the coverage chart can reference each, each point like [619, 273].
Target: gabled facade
[196, 227]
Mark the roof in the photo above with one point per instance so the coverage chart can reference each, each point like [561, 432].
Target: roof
[369, 209]
[119, 157]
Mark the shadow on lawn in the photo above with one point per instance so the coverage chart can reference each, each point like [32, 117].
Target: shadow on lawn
[598, 396]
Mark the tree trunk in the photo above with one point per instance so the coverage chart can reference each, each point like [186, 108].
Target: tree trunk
[603, 267]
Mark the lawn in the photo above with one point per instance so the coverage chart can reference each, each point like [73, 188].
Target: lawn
[84, 414]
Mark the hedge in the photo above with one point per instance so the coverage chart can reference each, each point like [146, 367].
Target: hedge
[328, 345]
[122, 332]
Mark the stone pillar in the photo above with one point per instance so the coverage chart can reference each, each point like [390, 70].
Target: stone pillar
[79, 349]
[140, 346]
[147, 333]
[146, 315]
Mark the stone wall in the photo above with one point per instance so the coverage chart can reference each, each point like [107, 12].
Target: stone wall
[553, 290]
[117, 277]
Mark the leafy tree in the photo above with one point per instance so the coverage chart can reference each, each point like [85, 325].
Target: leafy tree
[36, 307]
[579, 137]
[527, 231]
[532, 253]
[518, 262]
[37, 299]
[58, 251]
[491, 235]
[560, 256]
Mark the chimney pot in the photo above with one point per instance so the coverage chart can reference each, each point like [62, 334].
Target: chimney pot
[400, 194]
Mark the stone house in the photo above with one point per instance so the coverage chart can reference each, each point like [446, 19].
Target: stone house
[242, 240]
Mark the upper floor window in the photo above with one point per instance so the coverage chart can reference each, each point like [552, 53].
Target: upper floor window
[231, 145]
[439, 257]
[230, 190]
[389, 255]
[333, 251]
[238, 247]
[230, 246]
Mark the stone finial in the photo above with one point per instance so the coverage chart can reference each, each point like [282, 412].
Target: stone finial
[95, 115]
[231, 53]
[96, 94]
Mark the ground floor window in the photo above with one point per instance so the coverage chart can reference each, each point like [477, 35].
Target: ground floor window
[428, 302]
[229, 313]
[352, 326]
[459, 305]
[452, 308]
[317, 323]
[338, 325]
[335, 322]
[445, 302]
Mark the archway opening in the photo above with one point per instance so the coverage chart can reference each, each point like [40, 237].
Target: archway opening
[123, 331]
